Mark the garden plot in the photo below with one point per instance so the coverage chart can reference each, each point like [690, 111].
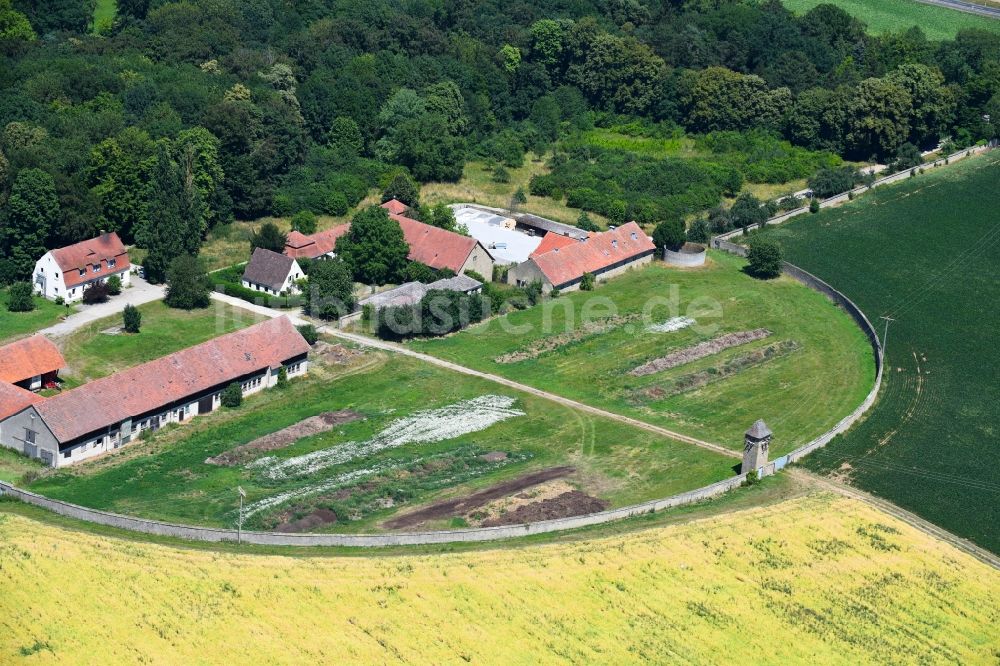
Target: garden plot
[728, 368]
[552, 343]
[313, 425]
[699, 351]
[433, 425]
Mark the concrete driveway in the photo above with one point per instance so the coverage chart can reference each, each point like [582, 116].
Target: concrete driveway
[140, 292]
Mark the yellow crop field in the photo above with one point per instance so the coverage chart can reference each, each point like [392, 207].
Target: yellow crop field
[818, 579]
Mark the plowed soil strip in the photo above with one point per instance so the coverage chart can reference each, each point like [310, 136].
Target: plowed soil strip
[700, 350]
[461, 505]
[284, 437]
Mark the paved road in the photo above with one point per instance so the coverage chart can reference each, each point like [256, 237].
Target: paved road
[400, 349]
[968, 7]
[911, 519]
[140, 292]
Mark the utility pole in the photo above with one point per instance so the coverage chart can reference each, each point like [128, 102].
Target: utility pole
[239, 525]
[885, 336]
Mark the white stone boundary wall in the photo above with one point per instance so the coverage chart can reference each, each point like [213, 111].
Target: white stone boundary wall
[195, 533]
[838, 199]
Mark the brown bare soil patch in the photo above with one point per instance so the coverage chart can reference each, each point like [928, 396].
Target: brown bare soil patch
[461, 505]
[277, 440]
[335, 353]
[572, 503]
[315, 519]
[554, 342]
[700, 350]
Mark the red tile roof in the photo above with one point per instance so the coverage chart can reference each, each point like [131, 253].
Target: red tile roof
[152, 386]
[430, 245]
[553, 241]
[28, 358]
[298, 245]
[86, 254]
[395, 206]
[14, 399]
[599, 251]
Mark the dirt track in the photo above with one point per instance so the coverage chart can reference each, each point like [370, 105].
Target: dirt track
[453, 507]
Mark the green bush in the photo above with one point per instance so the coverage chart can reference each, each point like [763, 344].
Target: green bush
[587, 282]
[814, 205]
[114, 284]
[764, 256]
[20, 297]
[669, 235]
[309, 333]
[282, 378]
[131, 319]
[501, 175]
[304, 222]
[232, 396]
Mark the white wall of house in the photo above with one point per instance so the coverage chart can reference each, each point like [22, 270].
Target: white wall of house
[13, 431]
[480, 261]
[50, 282]
[295, 274]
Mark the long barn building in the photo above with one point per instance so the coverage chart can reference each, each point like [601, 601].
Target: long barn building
[108, 413]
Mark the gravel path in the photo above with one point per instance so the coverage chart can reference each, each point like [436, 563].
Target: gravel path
[399, 349]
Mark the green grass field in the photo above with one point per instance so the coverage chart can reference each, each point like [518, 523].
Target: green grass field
[898, 15]
[166, 476]
[15, 325]
[91, 353]
[104, 15]
[925, 252]
[800, 392]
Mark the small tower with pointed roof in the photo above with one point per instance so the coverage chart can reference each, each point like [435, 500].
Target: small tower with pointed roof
[755, 446]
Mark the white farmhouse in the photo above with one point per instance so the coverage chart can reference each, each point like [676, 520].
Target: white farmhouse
[65, 272]
[272, 273]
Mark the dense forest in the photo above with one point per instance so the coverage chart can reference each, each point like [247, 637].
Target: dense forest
[179, 116]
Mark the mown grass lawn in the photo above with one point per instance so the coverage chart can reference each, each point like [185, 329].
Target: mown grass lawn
[924, 252]
[15, 325]
[838, 581]
[900, 15]
[91, 353]
[800, 393]
[166, 476]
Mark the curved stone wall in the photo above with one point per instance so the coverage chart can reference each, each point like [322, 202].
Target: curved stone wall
[686, 258]
[483, 533]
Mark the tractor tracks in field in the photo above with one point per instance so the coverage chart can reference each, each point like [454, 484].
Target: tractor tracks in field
[911, 519]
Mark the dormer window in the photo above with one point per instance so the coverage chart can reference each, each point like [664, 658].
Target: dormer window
[614, 243]
[83, 271]
[97, 268]
[634, 237]
[111, 262]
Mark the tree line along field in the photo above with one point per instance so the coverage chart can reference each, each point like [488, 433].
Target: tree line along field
[926, 253]
[376, 475]
[819, 578]
[899, 15]
[813, 369]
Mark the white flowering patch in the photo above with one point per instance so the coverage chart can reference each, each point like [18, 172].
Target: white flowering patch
[329, 484]
[433, 425]
[670, 325]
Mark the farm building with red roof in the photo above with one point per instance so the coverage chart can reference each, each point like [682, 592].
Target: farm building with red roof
[30, 362]
[314, 246]
[109, 412]
[603, 255]
[440, 248]
[65, 272]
